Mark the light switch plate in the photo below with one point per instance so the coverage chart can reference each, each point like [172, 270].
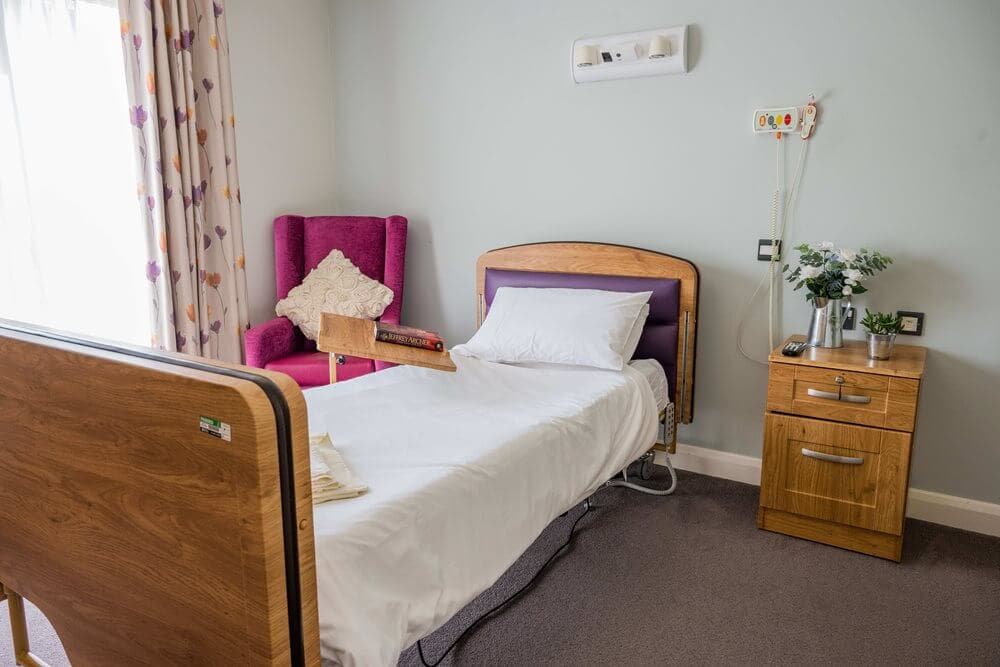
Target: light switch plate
[764, 250]
[913, 323]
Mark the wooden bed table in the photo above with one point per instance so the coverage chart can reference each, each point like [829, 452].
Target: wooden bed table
[340, 335]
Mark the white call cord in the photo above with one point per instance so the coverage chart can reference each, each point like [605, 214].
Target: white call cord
[781, 211]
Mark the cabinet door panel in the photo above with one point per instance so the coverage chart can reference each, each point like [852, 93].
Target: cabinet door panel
[837, 472]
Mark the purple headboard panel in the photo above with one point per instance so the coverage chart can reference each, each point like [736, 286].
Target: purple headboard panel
[659, 337]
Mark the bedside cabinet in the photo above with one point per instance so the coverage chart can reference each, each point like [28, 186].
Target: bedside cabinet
[838, 430]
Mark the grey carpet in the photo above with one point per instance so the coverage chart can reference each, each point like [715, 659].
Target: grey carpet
[690, 580]
[44, 642]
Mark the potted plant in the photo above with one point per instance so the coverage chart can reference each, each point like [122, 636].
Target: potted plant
[831, 274]
[882, 329]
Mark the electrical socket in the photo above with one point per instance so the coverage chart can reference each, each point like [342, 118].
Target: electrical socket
[849, 317]
[913, 323]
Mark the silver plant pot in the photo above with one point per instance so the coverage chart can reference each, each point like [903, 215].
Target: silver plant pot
[880, 346]
[826, 324]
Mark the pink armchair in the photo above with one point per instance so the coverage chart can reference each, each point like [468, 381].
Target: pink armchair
[377, 246]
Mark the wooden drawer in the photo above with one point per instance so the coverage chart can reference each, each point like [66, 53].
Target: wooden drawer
[835, 472]
[845, 396]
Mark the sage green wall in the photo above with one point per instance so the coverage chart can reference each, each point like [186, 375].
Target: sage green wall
[283, 93]
[462, 116]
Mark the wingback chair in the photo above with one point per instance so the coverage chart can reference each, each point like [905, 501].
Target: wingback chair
[377, 246]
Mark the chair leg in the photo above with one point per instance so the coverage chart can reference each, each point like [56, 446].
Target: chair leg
[19, 630]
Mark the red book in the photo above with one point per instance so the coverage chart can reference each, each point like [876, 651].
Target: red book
[409, 336]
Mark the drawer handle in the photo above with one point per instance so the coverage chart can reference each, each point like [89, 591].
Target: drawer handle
[819, 393]
[837, 396]
[833, 458]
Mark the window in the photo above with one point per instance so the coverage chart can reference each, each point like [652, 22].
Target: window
[71, 236]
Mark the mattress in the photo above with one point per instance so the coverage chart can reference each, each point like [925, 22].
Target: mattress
[465, 470]
[652, 370]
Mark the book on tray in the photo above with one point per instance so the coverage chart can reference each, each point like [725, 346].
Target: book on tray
[408, 336]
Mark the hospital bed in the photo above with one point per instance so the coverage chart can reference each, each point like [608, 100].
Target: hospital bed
[157, 507]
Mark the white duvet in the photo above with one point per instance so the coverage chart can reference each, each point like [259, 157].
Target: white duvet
[465, 469]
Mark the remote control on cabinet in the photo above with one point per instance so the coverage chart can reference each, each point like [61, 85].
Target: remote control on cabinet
[794, 348]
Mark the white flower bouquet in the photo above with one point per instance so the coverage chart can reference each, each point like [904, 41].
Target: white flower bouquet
[834, 273]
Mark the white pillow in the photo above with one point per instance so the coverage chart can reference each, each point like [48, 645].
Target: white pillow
[334, 286]
[581, 327]
[635, 334]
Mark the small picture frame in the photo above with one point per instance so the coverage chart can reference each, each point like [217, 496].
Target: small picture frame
[909, 328]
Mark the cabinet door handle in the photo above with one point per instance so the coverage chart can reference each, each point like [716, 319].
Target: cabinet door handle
[819, 393]
[855, 398]
[833, 458]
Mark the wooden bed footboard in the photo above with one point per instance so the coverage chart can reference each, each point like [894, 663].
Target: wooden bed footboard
[155, 507]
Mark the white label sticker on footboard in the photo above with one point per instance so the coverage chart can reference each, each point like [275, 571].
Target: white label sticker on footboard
[215, 427]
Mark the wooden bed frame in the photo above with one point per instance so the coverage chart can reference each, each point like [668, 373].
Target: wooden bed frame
[157, 507]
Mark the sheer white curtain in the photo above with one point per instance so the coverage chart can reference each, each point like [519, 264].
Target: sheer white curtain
[71, 235]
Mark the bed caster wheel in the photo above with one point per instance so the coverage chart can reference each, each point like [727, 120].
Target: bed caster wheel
[646, 468]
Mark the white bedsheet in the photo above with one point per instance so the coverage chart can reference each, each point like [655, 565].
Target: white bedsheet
[652, 370]
[465, 470]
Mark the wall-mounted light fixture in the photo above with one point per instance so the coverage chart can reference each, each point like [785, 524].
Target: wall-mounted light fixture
[634, 54]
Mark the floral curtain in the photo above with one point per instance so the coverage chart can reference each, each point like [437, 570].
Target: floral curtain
[181, 109]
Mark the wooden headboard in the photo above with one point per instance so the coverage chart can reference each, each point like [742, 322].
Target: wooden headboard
[603, 259]
[140, 534]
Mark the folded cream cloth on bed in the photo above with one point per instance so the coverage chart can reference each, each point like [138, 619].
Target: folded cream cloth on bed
[331, 478]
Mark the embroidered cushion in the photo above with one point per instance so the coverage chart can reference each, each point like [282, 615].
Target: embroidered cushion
[334, 286]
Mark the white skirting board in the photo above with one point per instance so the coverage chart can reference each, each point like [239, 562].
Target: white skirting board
[964, 513]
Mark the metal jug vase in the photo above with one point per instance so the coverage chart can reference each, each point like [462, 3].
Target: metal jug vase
[827, 323]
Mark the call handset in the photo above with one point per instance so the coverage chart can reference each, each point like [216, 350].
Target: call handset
[809, 117]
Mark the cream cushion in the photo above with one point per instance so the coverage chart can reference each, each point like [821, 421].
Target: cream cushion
[334, 286]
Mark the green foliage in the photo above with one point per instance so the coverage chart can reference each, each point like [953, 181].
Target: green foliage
[835, 273]
[882, 323]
